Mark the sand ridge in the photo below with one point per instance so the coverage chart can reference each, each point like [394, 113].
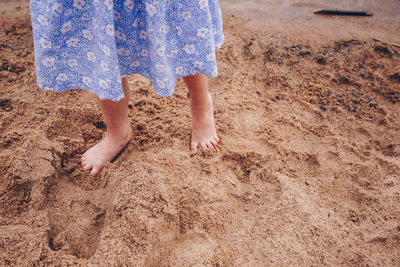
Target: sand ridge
[307, 172]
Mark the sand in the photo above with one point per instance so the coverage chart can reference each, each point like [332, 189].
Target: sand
[307, 173]
[296, 18]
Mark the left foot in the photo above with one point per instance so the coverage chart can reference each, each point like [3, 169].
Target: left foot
[203, 132]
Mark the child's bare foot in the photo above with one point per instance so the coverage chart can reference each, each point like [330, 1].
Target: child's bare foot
[203, 132]
[96, 157]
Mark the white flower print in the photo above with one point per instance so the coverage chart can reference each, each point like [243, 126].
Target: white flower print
[42, 20]
[117, 15]
[104, 65]
[151, 9]
[123, 52]
[61, 77]
[179, 30]
[72, 62]
[161, 51]
[106, 50]
[66, 27]
[189, 48]
[87, 34]
[86, 80]
[120, 35]
[143, 34]
[144, 52]
[160, 67]
[44, 43]
[173, 53]
[91, 56]
[210, 57]
[198, 64]
[89, 44]
[129, 4]
[79, 4]
[179, 70]
[48, 88]
[214, 72]
[57, 7]
[160, 83]
[110, 30]
[203, 4]
[135, 64]
[103, 84]
[202, 32]
[48, 61]
[164, 29]
[186, 15]
[109, 4]
[72, 42]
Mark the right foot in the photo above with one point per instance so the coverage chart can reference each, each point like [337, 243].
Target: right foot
[204, 133]
[106, 150]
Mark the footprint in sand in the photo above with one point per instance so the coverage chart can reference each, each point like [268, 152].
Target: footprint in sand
[249, 121]
[193, 250]
[271, 188]
[244, 164]
[75, 225]
[253, 181]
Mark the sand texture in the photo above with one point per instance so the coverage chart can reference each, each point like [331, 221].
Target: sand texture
[307, 173]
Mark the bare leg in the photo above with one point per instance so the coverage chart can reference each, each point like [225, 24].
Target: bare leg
[201, 104]
[119, 133]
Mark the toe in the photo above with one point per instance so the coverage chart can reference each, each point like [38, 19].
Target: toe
[84, 163]
[95, 170]
[203, 145]
[209, 145]
[214, 142]
[217, 139]
[193, 147]
[87, 167]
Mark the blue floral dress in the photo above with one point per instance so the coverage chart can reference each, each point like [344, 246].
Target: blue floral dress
[91, 44]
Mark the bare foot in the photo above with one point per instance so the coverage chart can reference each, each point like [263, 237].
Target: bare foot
[203, 132]
[96, 157]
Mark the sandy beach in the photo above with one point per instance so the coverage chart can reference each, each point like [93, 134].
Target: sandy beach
[297, 20]
[307, 174]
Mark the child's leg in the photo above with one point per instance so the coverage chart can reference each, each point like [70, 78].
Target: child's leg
[203, 132]
[118, 133]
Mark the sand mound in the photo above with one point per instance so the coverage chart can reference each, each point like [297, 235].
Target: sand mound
[307, 173]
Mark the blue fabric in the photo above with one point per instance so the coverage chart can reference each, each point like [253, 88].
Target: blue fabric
[91, 44]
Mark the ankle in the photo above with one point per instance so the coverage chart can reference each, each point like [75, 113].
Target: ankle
[120, 132]
[201, 103]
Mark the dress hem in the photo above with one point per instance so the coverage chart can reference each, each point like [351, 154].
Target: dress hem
[146, 75]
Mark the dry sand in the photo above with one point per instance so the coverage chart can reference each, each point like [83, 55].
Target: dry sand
[296, 18]
[307, 173]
